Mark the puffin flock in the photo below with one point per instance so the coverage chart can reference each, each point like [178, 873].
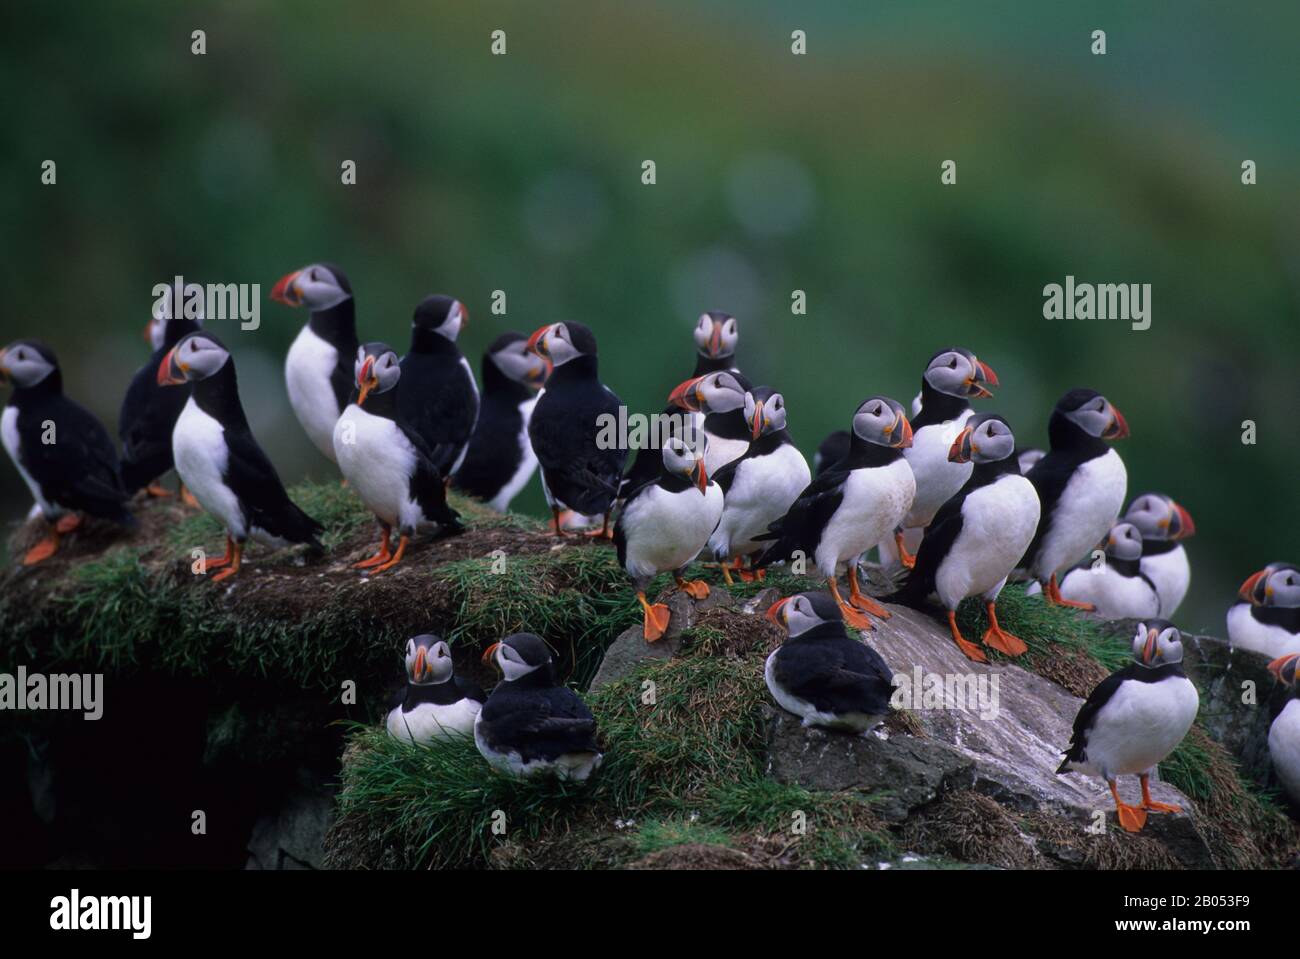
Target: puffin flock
[946, 495]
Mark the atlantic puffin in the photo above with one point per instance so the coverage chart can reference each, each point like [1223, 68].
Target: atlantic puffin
[1267, 620]
[850, 507]
[217, 457]
[1081, 484]
[977, 537]
[664, 525]
[437, 704]
[62, 452]
[1163, 525]
[439, 397]
[831, 450]
[951, 378]
[318, 367]
[531, 724]
[1284, 733]
[386, 461]
[500, 457]
[761, 486]
[721, 398]
[1135, 718]
[821, 675]
[581, 463]
[1115, 587]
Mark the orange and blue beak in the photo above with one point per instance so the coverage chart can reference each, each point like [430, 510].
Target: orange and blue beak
[1118, 428]
[688, 396]
[759, 423]
[715, 340]
[420, 665]
[902, 433]
[366, 380]
[1255, 589]
[983, 374]
[776, 613]
[962, 447]
[537, 342]
[1149, 650]
[171, 372]
[1284, 668]
[1180, 525]
[489, 653]
[286, 290]
[701, 475]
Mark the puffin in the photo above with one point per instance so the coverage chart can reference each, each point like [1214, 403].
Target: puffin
[64, 454]
[1267, 620]
[318, 367]
[951, 378]
[531, 725]
[386, 460]
[217, 457]
[148, 412]
[831, 450]
[1284, 733]
[759, 487]
[1163, 525]
[1081, 484]
[1116, 587]
[500, 460]
[439, 397]
[850, 507]
[438, 705]
[721, 398]
[663, 526]
[581, 464]
[977, 537]
[1135, 718]
[821, 675]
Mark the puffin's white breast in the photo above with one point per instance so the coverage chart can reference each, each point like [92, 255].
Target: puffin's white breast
[665, 531]
[200, 453]
[875, 501]
[1084, 513]
[998, 523]
[13, 446]
[431, 722]
[1116, 596]
[1284, 748]
[762, 491]
[378, 461]
[527, 461]
[307, 370]
[937, 480]
[1246, 632]
[1172, 574]
[1140, 725]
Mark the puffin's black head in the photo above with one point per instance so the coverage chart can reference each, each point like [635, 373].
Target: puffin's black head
[880, 420]
[318, 287]
[764, 411]
[686, 460]
[716, 334]
[561, 342]
[520, 655]
[1092, 413]
[195, 356]
[711, 393]
[444, 315]
[1284, 668]
[1158, 517]
[168, 321]
[1277, 584]
[428, 660]
[804, 611]
[27, 363]
[377, 370]
[510, 354]
[1157, 643]
[957, 372]
[986, 438]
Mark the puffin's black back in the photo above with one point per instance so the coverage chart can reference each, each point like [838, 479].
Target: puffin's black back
[494, 452]
[149, 413]
[836, 674]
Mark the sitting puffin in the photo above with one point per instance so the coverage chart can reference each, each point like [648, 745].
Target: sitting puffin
[978, 536]
[531, 724]
[500, 457]
[1081, 484]
[851, 507]
[1267, 620]
[1284, 733]
[1135, 718]
[721, 398]
[217, 457]
[664, 525]
[1116, 587]
[821, 675]
[62, 452]
[386, 461]
[438, 705]
[1163, 525]
[439, 397]
[318, 367]
[570, 429]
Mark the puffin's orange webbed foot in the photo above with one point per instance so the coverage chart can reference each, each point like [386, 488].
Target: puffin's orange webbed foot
[864, 602]
[188, 498]
[656, 620]
[1152, 805]
[995, 637]
[969, 649]
[694, 588]
[1053, 595]
[42, 550]
[1131, 818]
[397, 556]
[384, 554]
[158, 491]
[907, 559]
[234, 553]
[68, 522]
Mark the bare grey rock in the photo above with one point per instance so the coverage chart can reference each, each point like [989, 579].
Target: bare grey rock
[630, 648]
[293, 836]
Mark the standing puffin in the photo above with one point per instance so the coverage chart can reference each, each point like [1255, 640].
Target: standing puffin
[437, 705]
[951, 379]
[977, 537]
[318, 367]
[1135, 718]
[664, 525]
[500, 457]
[1163, 525]
[386, 461]
[1267, 620]
[1284, 733]
[581, 464]
[821, 675]
[721, 397]
[217, 457]
[531, 724]
[760, 486]
[851, 507]
[62, 452]
[1116, 587]
[439, 397]
[1081, 484]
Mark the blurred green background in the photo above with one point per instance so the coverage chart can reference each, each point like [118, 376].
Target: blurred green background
[775, 172]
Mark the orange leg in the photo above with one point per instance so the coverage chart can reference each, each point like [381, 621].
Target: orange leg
[1151, 804]
[397, 556]
[970, 649]
[861, 600]
[211, 564]
[1053, 594]
[853, 616]
[188, 498]
[656, 618]
[998, 638]
[694, 588]
[158, 491]
[749, 575]
[44, 549]
[1131, 818]
[555, 518]
[384, 554]
[906, 558]
[726, 573]
[604, 532]
[68, 522]
[237, 552]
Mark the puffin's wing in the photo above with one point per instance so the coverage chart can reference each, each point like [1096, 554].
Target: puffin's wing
[1088, 713]
[935, 545]
[253, 479]
[541, 726]
[802, 525]
[470, 690]
[725, 476]
[79, 468]
[833, 677]
[1049, 477]
[427, 483]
